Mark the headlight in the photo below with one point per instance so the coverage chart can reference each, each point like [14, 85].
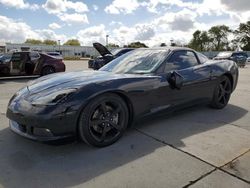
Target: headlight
[21, 92]
[53, 98]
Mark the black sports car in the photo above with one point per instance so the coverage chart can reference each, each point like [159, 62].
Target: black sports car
[98, 106]
[106, 55]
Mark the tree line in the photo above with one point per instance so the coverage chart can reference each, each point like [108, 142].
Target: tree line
[75, 42]
[130, 45]
[70, 42]
[214, 39]
[217, 38]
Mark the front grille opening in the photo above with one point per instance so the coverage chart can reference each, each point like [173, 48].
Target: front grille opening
[32, 130]
[42, 132]
[23, 128]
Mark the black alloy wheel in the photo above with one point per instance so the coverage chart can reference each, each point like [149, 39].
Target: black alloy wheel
[103, 121]
[222, 93]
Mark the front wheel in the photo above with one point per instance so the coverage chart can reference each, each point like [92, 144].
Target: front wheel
[103, 121]
[222, 93]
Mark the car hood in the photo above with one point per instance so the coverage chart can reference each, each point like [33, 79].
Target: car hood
[59, 81]
[101, 49]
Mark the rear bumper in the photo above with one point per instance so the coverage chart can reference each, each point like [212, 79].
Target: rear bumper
[60, 67]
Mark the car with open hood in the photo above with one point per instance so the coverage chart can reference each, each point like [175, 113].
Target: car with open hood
[106, 55]
[29, 63]
[248, 60]
[98, 106]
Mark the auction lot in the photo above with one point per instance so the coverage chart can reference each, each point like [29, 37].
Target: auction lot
[197, 147]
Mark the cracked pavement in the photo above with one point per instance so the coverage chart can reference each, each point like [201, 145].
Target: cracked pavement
[196, 147]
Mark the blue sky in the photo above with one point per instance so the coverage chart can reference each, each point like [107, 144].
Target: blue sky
[125, 21]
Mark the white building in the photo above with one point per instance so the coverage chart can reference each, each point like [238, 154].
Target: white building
[66, 51]
[2, 48]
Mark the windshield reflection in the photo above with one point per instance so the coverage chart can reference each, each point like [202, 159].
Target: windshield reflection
[141, 61]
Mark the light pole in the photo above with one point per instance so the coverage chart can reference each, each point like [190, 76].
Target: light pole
[171, 42]
[59, 45]
[107, 38]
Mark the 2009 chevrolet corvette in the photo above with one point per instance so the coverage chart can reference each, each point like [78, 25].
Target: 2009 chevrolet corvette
[98, 106]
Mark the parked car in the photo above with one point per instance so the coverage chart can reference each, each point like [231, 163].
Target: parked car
[248, 60]
[98, 106]
[106, 55]
[29, 63]
[56, 55]
[239, 57]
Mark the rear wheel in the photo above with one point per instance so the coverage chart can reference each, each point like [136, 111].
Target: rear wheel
[48, 70]
[222, 93]
[103, 121]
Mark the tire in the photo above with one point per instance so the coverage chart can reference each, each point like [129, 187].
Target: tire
[48, 70]
[103, 121]
[222, 93]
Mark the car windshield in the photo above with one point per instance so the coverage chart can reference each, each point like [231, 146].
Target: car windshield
[141, 61]
[224, 54]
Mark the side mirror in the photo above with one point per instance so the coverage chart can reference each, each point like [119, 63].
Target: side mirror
[175, 80]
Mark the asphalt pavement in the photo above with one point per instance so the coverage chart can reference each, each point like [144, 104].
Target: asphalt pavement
[196, 147]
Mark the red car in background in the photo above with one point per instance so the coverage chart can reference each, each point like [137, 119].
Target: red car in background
[29, 63]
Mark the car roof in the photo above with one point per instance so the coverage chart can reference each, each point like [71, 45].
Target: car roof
[171, 48]
[53, 53]
[21, 52]
[25, 52]
[127, 48]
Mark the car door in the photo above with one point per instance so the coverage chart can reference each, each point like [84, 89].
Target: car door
[196, 77]
[15, 63]
[203, 77]
[34, 60]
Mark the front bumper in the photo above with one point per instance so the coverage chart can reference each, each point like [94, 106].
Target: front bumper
[27, 131]
[47, 126]
[60, 67]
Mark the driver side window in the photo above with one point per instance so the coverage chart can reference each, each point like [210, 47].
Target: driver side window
[181, 60]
